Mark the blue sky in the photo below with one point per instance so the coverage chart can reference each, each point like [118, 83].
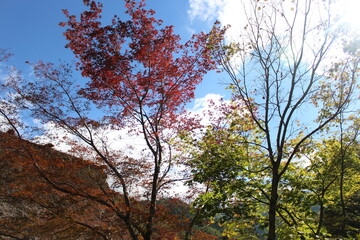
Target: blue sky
[30, 29]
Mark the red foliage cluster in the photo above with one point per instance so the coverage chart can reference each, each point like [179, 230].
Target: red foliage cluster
[138, 63]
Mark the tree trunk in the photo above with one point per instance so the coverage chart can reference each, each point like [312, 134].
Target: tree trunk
[152, 207]
[342, 201]
[342, 174]
[321, 217]
[130, 228]
[273, 204]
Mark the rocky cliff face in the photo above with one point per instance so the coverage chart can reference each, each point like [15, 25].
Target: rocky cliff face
[46, 194]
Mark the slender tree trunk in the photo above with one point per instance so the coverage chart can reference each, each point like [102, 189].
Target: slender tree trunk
[188, 232]
[132, 233]
[342, 173]
[342, 201]
[273, 203]
[152, 207]
[321, 216]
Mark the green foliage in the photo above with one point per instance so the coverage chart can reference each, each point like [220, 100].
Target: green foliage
[290, 92]
[228, 160]
[233, 167]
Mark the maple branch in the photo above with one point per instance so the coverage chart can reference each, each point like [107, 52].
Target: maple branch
[92, 229]
[11, 236]
[172, 181]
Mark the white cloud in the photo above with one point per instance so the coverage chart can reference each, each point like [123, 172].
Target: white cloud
[205, 108]
[232, 14]
[124, 140]
[202, 104]
[228, 12]
[206, 10]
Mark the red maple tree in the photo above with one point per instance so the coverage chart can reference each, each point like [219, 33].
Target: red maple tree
[139, 73]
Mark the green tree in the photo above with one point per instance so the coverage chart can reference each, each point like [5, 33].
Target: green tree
[325, 183]
[289, 87]
[228, 160]
[344, 153]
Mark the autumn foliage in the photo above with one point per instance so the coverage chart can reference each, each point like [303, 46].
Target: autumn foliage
[139, 74]
[137, 65]
[48, 194]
